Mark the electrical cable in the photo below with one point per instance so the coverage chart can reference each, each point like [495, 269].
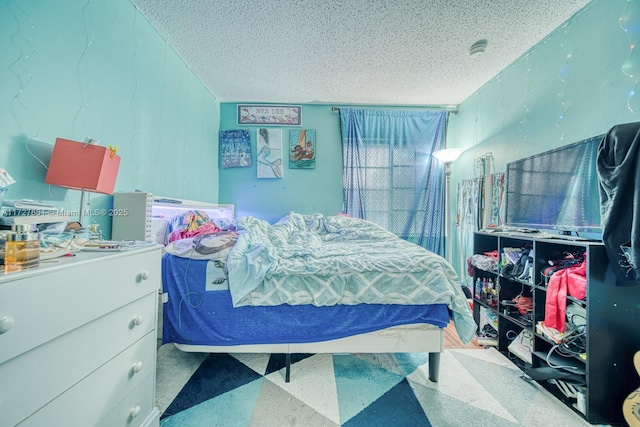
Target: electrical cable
[186, 297]
[132, 103]
[82, 64]
[551, 365]
[563, 350]
[21, 60]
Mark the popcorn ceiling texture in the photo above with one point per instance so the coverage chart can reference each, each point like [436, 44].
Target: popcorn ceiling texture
[390, 52]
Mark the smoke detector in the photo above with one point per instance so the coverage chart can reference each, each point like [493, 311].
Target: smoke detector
[478, 48]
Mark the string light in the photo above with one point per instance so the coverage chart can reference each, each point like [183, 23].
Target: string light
[523, 121]
[162, 114]
[629, 22]
[82, 64]
[562, 77]
[132, 101]
[185, 184]
[21, 60]
[502, 107]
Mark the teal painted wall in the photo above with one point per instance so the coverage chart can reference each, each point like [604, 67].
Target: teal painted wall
[74, 69]
[569, 87]
[316, 190]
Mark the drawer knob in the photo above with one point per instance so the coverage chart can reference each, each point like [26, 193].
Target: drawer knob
[136, 321]
[134, 412]
[142, 276]
[137, 367]
[6, 323]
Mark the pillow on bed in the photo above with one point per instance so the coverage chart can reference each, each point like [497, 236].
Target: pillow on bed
[214, 246]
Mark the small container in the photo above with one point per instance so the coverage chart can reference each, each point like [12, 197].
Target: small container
[22, 248]
[94, 231]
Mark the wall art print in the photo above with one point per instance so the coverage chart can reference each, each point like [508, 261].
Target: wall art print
[235, 148]
[269, 157]
[276, 115]
[302, 149]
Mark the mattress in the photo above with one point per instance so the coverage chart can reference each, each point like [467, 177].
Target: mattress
[199, 312]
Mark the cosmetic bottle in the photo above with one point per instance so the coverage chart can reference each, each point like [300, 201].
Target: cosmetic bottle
[94, 232]
[22, 248]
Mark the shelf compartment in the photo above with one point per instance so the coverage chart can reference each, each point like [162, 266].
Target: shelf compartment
[611, 341]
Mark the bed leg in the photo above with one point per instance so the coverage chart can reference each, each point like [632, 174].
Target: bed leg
[287, 370]
[434, 366]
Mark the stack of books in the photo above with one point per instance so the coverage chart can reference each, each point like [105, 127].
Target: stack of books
[16, 212]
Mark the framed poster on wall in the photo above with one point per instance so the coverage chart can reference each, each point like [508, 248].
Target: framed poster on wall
[269, 163]
[302, 148]
[235, 148]
[276, 115]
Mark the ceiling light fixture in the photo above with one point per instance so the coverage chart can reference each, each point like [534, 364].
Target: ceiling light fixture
[478, 48]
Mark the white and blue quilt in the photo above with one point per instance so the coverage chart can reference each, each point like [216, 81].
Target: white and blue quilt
[339, 260]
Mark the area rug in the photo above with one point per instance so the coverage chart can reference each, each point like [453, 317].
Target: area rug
[475, 388]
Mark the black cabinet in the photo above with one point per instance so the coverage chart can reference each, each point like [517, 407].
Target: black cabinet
[599, 355]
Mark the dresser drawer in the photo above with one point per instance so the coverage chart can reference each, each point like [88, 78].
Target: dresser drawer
[42, 305]
[137, 409]
[89, 401]
[38, 376]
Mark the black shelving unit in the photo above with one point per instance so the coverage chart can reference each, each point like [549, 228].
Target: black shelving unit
[611, 337]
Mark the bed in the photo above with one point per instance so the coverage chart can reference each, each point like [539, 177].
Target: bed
[306, 284]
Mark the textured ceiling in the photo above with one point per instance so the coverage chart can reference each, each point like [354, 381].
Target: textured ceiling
[390, 52]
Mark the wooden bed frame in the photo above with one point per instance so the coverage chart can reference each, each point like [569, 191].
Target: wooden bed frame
[415, 338]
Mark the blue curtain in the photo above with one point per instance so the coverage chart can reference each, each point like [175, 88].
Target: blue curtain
[389, 174]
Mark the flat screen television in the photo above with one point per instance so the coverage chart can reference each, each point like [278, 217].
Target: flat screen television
[556, 190]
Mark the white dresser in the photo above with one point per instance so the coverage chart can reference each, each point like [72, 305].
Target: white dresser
[78, 341]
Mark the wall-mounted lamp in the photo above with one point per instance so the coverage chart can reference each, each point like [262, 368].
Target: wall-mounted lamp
[83, 166]
[447, 156]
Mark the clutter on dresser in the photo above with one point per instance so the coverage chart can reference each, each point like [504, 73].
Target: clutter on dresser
[25, 211]
[116, 245]
[21, 248]
[63, 244]
[47, 247]
[5, 181]
[49, 241]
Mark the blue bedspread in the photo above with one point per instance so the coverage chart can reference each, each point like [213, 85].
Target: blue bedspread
[338, 260]
[197, 316]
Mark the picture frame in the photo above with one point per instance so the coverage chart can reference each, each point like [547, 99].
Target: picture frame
[269, 115]
[235, 148]
[302, 149]
[269, 153]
